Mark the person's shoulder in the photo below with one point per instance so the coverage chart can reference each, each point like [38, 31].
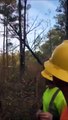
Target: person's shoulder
[60, 95]
[55, 88]
[46, 90]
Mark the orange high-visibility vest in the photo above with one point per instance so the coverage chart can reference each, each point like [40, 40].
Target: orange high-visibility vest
[64, 115]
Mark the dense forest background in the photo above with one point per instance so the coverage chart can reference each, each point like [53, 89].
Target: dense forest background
[20, 97]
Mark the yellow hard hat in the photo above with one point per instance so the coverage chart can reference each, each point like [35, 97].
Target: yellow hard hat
[47, 75]
[57, 65]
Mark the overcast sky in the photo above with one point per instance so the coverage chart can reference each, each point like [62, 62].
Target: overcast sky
[44, 10]
[41, 10]
[42, 7]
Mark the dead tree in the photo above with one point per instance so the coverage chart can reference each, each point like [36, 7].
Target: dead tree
[22, 40]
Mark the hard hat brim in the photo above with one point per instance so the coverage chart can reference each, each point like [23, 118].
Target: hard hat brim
[56, 71]
[47, 75]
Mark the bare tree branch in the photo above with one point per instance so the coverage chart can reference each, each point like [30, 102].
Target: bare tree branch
[33, 22]
[35, 27]
[39, 35]
[28, 48]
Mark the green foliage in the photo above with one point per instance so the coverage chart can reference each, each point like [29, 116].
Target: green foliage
[61, 16]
